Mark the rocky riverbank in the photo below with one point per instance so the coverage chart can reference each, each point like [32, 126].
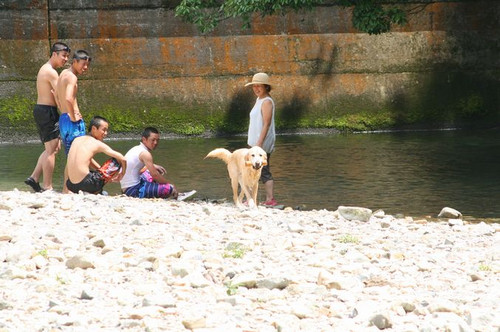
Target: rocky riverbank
[97, 263]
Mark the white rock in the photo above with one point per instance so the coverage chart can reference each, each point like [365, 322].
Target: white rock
[355, 213]
[79, 262]
[273, 283]
[194, 323]
[448, 212]
[443, 305]
[381, 321]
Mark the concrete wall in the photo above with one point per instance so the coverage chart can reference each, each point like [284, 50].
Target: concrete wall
[440, 69]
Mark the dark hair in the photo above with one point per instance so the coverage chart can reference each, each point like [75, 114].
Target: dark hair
[58, 47]
[82, 55]
[268, 87]
[96, 122]
[148, 130]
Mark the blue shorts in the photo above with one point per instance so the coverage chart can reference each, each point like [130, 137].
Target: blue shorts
[70, 130]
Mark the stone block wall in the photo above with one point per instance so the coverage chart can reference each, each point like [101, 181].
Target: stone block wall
[440, 69]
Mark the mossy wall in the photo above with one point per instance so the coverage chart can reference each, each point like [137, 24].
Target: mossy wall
[150, 68]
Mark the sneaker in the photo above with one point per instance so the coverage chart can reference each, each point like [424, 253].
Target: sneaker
[271, 202]
[33, 184]
[186, 195]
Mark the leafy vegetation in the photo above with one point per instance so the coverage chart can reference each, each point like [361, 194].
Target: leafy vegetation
[235, 250]
[484, 267]
[348, 238]
[17, 112]
[371, 16]
[207, 14]
[232, 289]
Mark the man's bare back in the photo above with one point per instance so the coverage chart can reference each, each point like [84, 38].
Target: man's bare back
[66, 91]
[84, 148]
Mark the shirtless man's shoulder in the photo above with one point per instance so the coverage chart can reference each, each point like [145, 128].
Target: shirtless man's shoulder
[46, 80]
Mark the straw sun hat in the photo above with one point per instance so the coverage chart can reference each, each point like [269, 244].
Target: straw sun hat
[259, 78]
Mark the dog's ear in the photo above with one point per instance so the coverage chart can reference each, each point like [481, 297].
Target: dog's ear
[248, 162]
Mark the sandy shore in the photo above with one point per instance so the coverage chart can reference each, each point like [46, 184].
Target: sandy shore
[96, 263]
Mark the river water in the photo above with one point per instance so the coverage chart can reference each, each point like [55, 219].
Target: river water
[410, 173]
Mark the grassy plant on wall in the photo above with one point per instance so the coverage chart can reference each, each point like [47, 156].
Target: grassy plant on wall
[17, 112]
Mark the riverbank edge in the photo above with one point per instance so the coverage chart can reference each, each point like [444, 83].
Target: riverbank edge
[9, 138]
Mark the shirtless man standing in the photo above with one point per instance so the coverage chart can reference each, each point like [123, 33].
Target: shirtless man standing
[47, 117]
[81, 159]
[71, 123]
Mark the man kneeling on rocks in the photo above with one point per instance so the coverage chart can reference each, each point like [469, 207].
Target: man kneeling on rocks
[81, 160]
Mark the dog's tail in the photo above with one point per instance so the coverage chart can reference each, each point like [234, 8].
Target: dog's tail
[220, 153]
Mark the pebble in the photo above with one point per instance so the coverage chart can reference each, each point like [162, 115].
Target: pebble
[101, 263]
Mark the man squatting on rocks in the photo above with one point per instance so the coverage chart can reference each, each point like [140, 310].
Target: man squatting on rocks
[47, 117]
[80, 160]
[149, 183]
[71, 124]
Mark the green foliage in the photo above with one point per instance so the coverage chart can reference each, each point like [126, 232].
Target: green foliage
[206, 14]
[471, 105]
[235, 250]
[17, 112]
[43, 253]
[232, 289]
[484, 267]
[348, 238]
[368, 15]
[358, 121]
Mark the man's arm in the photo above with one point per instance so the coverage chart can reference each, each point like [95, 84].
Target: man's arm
[69, 99]
[147, 159]
[104, 148]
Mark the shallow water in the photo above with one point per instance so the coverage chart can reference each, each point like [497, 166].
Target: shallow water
[412, 173]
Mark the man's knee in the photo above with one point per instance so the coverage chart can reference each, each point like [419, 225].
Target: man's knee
[53, 146]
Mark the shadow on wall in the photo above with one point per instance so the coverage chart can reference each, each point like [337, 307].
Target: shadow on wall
[450, 98]
[463, 91]
[291, 112]
[236, 117]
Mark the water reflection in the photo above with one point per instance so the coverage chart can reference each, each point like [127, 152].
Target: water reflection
[411, 173]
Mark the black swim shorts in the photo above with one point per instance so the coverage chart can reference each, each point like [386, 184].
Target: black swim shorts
[47, 122]
[92, 183]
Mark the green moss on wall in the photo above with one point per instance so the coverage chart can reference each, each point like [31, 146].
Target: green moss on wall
[16, 113]
[455, 99]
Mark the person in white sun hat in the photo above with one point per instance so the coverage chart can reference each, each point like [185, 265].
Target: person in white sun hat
[261, 131]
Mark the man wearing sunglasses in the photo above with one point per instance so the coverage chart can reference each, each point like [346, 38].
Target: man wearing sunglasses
[71, 122]
[47, 117]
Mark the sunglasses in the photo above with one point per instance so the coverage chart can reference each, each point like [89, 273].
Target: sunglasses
[84, 57]
[67, 49]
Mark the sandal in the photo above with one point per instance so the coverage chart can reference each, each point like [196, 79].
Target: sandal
[33, 184]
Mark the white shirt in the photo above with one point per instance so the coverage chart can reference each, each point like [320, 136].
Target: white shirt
[256, 124]
[134, 166]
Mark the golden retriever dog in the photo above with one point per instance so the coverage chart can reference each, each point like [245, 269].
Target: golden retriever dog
[244, 167]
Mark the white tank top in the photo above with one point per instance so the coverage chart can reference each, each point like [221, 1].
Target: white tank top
[134, 166]
[256, 124]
